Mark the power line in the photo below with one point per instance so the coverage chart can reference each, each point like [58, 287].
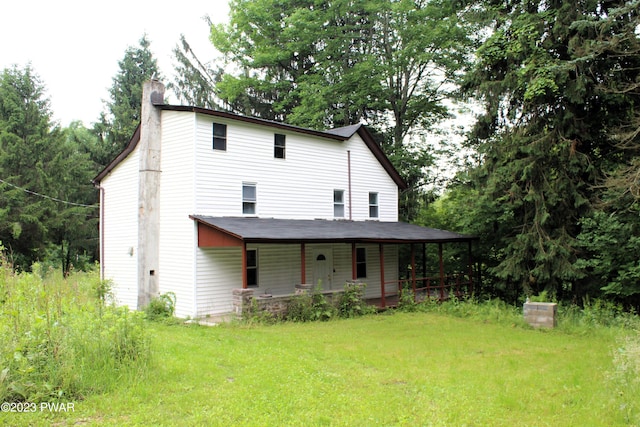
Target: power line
[48, 197]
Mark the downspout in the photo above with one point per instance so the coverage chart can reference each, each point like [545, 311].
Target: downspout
[101, 192]
[349, 176]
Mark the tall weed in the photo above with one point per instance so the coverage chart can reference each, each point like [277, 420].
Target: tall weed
[595, 314]
[310, 307]
[61, 339]
[625, 379]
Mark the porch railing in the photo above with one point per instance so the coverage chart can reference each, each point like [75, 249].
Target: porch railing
[457, 285]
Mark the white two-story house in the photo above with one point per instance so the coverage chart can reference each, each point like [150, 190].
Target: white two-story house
[202, 202]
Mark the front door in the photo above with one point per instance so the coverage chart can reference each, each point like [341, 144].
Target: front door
[323, 268]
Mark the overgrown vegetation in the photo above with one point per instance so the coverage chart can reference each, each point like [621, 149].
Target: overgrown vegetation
[61, 339]
[316, 306]
[161, 307]
[625, 378]
[464, 365]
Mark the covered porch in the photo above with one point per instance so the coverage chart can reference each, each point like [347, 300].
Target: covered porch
[417, 254]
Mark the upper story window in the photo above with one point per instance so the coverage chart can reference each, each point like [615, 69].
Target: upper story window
[373, 205]
[279, 146]
[338, 203]
[249, 198]
[361, 263]
[219, 137]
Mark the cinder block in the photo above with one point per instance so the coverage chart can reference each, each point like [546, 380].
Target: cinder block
[541, 314]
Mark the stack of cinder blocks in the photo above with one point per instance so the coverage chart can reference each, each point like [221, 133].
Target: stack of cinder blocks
[541, 314]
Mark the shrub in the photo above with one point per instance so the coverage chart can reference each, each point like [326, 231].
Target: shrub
[407, 302]
[351, 302]
[310, 307]
[161, 307]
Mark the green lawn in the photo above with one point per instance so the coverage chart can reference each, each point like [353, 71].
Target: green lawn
[413, 369]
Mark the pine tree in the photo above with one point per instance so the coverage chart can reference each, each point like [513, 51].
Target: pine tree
[544, 138]
[39, 171]
[117, 126]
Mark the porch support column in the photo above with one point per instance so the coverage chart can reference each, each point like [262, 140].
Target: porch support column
[413, 270]
[244, 265]
[424, 260]
[441, 271]
[303, 264]
[354, 267]
[470, 270]
[382, 291]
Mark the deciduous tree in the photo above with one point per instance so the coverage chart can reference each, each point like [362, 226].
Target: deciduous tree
[327, 64]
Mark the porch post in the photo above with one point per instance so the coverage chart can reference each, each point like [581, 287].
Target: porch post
[413, 270]
[303, 266]
[354, 268]
[470, 270]
[441, 270]
[382, 291]
[424, 260]
[244, 265]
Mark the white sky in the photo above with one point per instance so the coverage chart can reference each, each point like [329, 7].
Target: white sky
[74, 45]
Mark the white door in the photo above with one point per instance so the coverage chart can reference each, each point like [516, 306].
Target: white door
[323, 268]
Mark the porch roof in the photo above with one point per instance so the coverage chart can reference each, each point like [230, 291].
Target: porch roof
[271, 230]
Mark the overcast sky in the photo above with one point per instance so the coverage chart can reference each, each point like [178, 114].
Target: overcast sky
[74, 45]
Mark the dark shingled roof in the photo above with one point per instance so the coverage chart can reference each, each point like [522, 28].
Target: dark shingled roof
[272, 230]
[345, 131]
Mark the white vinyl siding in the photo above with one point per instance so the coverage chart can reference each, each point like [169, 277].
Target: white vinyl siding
[219, 272]
[300, 188]
[198, 180]
[120, 230]
[177, 230]
[279, 268]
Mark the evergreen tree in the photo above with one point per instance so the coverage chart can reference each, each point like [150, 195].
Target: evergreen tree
[610, 236]
[116, 127]
[543, 139]
[194, 82]
[25, 138]
[40, 173]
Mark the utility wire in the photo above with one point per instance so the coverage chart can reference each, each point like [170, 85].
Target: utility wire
[48, 197]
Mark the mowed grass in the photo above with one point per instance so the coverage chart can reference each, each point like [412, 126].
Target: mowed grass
[413, 369]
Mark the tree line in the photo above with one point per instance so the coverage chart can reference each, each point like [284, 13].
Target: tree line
[550, 179]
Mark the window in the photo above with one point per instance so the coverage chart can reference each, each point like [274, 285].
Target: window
[252, 267]
[278, 146]
[361, 263]
[249, 198]
[219, 137]
[373, 205]
[338, 203]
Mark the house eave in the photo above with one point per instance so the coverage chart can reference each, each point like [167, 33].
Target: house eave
[289, 231]
[133, 142]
